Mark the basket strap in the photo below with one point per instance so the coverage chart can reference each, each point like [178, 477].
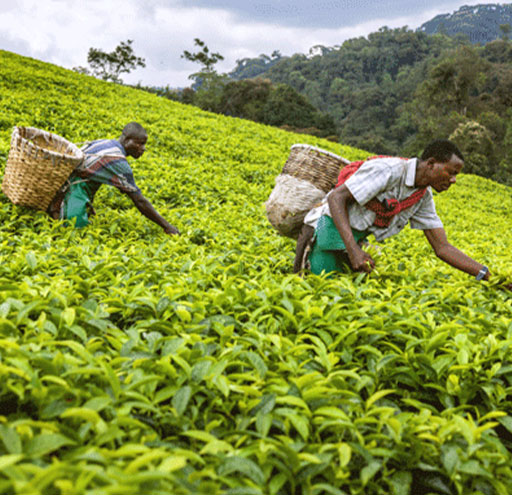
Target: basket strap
[65, 187]
[109, 156]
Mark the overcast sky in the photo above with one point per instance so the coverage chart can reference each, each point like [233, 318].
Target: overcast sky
[62, 31]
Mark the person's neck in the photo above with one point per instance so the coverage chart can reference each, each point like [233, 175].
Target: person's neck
[422, 174]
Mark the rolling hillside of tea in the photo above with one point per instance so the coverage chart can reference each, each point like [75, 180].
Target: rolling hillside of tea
[132, 362]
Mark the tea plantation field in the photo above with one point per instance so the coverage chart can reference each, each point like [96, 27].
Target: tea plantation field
[133, 363]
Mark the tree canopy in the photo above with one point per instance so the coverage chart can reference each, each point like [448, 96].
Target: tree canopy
[110, 65]
[394, 91]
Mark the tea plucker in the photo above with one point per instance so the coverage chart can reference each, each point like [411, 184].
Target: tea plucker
[401, 189]
[105, 163]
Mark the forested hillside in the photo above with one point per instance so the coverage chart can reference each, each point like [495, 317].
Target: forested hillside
[133, 363]
[364, 83]
[395, 90]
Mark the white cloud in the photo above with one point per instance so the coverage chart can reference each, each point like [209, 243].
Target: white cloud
[62, 31]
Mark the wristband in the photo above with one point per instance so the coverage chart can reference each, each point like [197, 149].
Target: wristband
[482, 273]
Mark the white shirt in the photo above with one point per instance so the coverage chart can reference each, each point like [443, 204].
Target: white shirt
[384, 178]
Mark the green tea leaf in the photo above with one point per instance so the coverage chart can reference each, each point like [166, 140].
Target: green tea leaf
[181, 399]
[9, 460]
[258, 363]
[68, 316]
[276, 483]
[401, 483]
[263, 423]
[450, 458]
[31, 260]
[10, 439]
[172, 463]
[369, 471]
[265, 405]
[45, 443]
[345, 454]
[301, 424]
[243, 466]
[376, 396]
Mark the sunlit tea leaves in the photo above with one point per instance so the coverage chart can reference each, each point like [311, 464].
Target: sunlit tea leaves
[136, 363]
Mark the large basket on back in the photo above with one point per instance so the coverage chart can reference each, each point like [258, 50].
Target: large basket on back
[307, 176]
[38, 164]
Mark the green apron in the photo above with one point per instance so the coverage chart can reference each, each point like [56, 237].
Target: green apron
[75, 204]
[329, 253]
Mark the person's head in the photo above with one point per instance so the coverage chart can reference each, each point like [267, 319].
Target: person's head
[443, 161]
[133, 139]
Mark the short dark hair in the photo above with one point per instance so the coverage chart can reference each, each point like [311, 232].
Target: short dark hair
[442, 150]
[134, 129]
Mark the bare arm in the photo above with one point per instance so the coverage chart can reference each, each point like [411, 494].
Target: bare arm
[147, 209]
[339, 201]
[450, 254]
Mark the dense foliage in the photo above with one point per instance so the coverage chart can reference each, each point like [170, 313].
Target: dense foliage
[365, 82]
[248, 68]
[396, 90]
[467, 97]
[278, 105]
[133, 363]
[254, 99]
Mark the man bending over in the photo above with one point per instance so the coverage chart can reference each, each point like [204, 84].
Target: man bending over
[105, 163]
[380, 198]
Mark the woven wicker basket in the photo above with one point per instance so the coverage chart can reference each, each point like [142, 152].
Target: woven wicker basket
[314, 165]
[307, 176]
[38, 164]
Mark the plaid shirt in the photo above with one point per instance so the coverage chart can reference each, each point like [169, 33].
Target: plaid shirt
[384, 178]
[105, 163]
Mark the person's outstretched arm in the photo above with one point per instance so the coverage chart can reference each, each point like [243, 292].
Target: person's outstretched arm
[147, 209]
[450, 254]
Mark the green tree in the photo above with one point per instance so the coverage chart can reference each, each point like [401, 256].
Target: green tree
[474, 140]
[208, 84]
[248, 68]
[203, 57]
[455, 83]
[246, 98]
[504, 171]
[109, 66]
[285, 106]
[505, 31]
[449, 95]
[279, 105]
[365, 83]
[499, 51]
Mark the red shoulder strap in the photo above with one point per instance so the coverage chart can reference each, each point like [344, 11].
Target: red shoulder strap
[385, 212]
[350, 169]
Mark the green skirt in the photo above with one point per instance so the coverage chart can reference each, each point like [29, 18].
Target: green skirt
[75, 204]
[329, 253]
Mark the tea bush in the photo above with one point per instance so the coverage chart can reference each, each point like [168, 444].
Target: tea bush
[136, 363]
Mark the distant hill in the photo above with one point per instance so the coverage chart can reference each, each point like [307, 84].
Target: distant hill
[481, 23]
[368, 83]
